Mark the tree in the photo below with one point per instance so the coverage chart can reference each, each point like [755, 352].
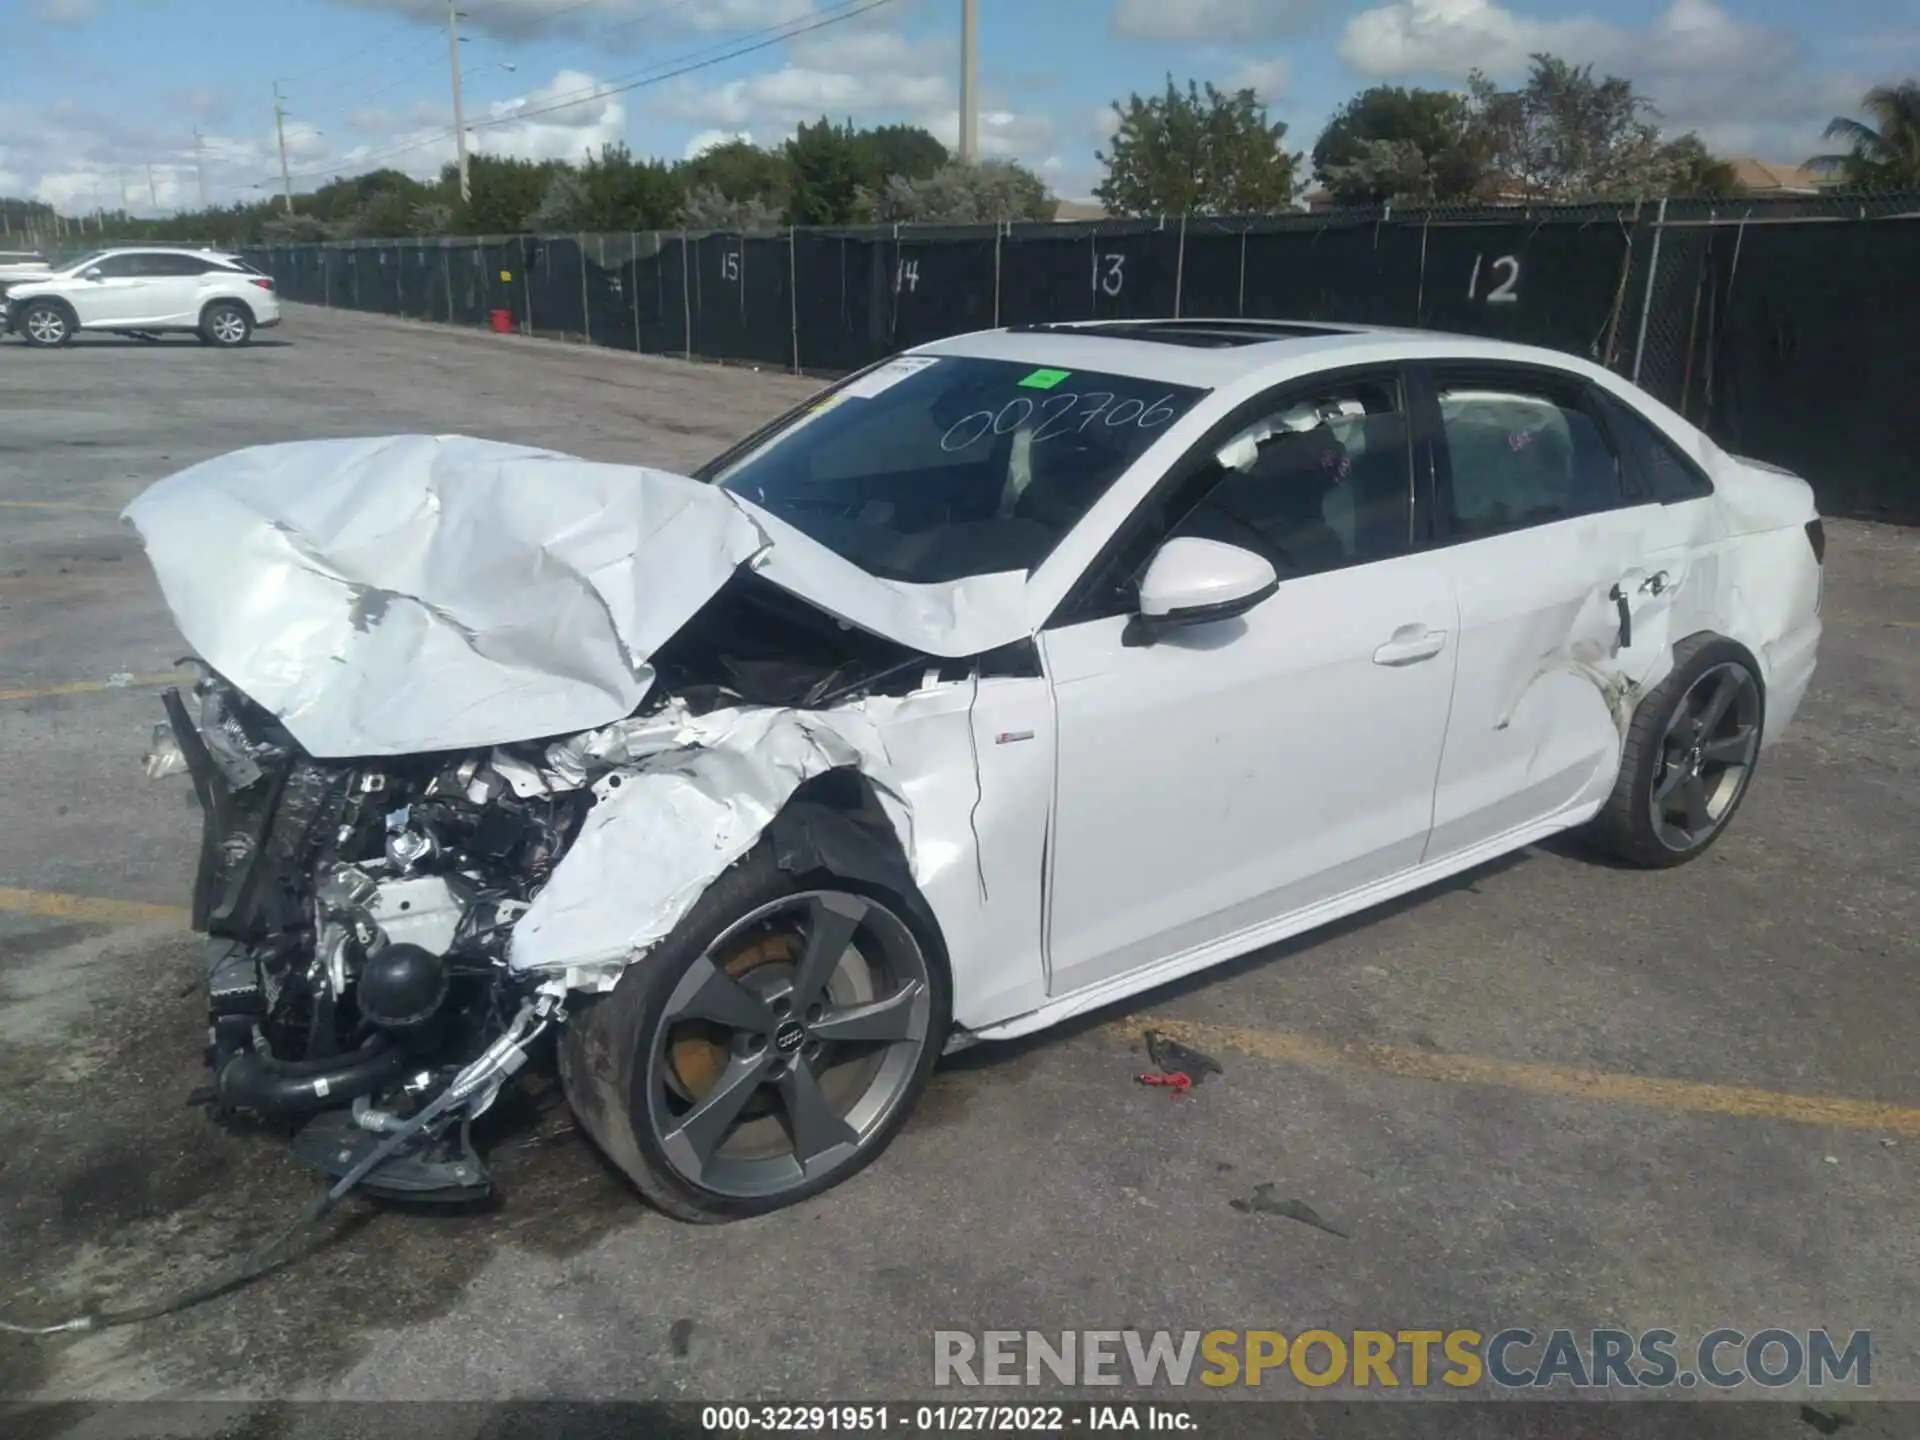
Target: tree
[903, 150]
[1885, 153]
[505, 193]
[739, 171]
[1389, 143]
[1199, 153]
[1567, 136]
[706, 207]
[966, 193]
[1693, 171]
[828, 174]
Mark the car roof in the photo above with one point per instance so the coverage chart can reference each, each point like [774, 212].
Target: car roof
[1213, 353]
[196, 250]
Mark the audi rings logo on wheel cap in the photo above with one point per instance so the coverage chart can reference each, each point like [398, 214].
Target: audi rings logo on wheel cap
[789, 1037]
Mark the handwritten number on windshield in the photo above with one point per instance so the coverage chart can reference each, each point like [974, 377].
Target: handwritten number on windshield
[1059, 415]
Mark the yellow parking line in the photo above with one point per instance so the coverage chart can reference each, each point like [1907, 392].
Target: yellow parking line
[61, 505]
[54, 905]
[88, 687]
[1612, 1087]
[1295, 1048]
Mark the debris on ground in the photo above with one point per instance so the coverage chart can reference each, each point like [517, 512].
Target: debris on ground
[1173, 1058]
[1823, 1421]
[1179, 1082]
[1264, 1202]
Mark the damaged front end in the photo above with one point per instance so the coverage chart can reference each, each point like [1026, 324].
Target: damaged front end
[357, 917]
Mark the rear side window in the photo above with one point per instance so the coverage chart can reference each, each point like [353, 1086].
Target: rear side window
[1665, 474]
[1522, 452]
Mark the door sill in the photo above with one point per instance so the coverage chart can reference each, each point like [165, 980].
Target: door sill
[1297, 922]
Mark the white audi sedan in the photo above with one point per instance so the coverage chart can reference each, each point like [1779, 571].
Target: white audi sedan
[1007, 679]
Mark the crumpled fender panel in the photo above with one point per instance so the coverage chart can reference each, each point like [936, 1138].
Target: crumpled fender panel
[697, 795]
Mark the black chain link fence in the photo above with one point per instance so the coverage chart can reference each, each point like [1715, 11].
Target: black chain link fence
[1785, 327]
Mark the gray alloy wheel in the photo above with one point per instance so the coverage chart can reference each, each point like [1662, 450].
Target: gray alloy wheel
[788, 1045]
[225, 326]
[45, 324]
[1689, 757]
[1706, 757]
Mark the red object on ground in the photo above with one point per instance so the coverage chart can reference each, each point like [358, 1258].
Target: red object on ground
[1179, 1082]
[503, 322]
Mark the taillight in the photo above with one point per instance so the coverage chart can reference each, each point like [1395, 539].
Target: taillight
[262, 281]
[1817, 537]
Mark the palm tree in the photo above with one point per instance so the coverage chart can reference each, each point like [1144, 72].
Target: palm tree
[1887, 156]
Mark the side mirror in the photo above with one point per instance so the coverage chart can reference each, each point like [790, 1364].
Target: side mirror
[1195, 582]
[90, 274]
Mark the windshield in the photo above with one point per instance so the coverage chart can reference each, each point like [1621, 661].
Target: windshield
[932, 468]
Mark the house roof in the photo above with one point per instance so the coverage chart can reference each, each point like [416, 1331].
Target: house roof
[1764, 176]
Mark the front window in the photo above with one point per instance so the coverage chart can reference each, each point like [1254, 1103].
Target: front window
[74, 267]
[932, 468]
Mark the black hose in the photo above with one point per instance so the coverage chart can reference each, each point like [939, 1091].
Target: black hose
[251, 1081]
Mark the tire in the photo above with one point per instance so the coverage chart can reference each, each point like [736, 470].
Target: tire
[225, 325]
[700, 1029]
[1689, 757]
[45, 324]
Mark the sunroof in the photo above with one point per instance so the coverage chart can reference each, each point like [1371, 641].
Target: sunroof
[1197, 334]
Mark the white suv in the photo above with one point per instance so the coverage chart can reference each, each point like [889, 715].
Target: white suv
[144, 292]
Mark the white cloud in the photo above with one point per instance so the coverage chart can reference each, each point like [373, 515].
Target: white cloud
[1744, 86]
[1268, 79]
[1210, 20]
[1451, 37]
[707, 140]
[66, 12]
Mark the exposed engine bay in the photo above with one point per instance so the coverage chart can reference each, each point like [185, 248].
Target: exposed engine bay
[358, 913]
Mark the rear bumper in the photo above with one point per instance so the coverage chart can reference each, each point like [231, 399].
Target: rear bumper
[1790, 665]
[266, 322]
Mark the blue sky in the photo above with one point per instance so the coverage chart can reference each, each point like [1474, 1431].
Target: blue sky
[103, 94]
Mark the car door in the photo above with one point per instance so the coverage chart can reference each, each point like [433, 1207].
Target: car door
[107, 292]
[173, 287]
[1563, 575]
[1236, 772]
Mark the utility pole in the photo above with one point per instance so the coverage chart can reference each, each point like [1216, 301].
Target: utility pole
[280, 129]
[153, 190]
[969, 80]
[459, 119]
[200, 164]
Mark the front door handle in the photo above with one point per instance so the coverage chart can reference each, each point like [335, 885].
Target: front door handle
[1411, 644]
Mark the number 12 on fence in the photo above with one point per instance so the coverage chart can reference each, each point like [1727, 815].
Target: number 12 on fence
[1501, 294]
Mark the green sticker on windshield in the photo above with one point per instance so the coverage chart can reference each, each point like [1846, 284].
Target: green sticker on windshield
[1045, 379]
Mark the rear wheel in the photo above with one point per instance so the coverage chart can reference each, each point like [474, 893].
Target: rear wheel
[45, 323]
[1689, 757]
[225, 325]
[767, 1050]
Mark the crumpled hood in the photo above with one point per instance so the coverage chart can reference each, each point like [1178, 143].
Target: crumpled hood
[413, 593]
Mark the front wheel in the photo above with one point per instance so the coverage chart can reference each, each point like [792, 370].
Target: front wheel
[1689, 757]
[767, 1050]
[45, 324]
[226, 326]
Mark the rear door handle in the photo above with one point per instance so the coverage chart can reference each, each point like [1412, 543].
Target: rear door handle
[1411, 644]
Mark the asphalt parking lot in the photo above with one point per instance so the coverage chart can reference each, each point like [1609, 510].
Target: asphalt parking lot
[1554, 1093]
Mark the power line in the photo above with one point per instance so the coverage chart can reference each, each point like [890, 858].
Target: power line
[406, 24]
[586, 97]
[833, 16]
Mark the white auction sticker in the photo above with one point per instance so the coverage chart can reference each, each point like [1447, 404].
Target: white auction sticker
[888, 375]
